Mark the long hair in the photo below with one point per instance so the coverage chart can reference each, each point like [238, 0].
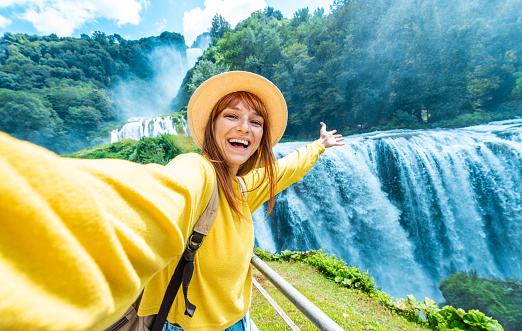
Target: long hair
[262, 157]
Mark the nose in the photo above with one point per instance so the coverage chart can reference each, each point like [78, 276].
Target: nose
[243, 126]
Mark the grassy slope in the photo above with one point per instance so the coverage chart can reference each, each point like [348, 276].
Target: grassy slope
[119, 150]
[349, 308]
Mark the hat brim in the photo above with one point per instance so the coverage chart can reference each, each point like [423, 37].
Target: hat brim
[212, 90]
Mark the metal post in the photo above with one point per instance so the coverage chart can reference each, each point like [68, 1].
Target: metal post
[274, 304]
[253, 326]
[314, 314]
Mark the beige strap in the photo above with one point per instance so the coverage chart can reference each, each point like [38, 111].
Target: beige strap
[242, 186]
[209, 214]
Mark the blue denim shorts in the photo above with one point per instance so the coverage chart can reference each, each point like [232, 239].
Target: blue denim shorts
[241, 325]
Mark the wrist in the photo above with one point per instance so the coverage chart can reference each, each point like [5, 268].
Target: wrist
[321, 142]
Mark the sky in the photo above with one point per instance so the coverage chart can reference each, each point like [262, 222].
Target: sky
[134, 19]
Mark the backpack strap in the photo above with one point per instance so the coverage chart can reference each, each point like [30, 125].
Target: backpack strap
[185, 267]
[242, 186]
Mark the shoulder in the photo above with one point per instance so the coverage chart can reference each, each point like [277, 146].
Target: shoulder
[192, 165]
[191, 159]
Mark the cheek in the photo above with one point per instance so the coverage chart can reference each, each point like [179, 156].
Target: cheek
[259, 137]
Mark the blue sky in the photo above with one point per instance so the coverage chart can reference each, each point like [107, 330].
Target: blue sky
[134, 19]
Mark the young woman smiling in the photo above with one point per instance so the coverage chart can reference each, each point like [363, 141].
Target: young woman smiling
[80, 239]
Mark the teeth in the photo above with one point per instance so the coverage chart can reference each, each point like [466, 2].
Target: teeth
[244, 142]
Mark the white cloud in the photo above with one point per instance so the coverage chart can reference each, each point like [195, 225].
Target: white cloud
[160, 26]
[197, 20]
[123, 11]
[8, 3]
[63, 17]
[4, 21]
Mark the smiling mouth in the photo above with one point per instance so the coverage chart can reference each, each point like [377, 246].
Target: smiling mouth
[239, 143]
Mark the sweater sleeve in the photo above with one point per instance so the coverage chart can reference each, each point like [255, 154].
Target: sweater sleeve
[80, 239]
[289, 169]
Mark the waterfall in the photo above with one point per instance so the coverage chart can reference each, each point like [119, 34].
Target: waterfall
[411, 207]
[154, 127]
[153, 96]
[144, 99]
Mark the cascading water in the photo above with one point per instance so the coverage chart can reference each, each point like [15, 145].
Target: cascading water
[411, 207]
[143, 100]
[154, 127]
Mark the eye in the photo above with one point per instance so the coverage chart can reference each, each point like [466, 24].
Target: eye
[231, 115]
[256, 123]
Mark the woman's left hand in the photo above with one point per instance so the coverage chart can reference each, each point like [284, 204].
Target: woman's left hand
[329, 138]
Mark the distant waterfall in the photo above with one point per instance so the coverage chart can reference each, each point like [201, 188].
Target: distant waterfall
[411, 207]
[153, 96]
[154, 127]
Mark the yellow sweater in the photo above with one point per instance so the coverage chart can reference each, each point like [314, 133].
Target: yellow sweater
[79, 239]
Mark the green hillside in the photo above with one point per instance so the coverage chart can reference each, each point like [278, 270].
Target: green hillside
[56, 92]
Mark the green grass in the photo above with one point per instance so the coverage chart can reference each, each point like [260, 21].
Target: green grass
[159, 150]
[351, 309]
[122, 149]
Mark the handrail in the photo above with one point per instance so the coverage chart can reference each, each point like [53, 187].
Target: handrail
[274, 304]
[314, 314]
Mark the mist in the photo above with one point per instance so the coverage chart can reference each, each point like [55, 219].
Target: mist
[136, 97]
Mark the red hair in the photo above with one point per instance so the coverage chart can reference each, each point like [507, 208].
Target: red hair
[262, 157]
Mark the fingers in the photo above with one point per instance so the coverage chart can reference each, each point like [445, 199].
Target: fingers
[330, 138]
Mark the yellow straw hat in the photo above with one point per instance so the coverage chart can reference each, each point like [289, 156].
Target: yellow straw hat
[213, 89]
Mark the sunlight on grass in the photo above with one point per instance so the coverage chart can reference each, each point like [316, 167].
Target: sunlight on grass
[349, 308]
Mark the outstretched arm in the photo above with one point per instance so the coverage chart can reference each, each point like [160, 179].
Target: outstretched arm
[291, 168]
[329, 138]
[79, 239]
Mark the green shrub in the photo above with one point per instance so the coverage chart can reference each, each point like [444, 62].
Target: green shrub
[162, 149]
[329, 265]
[158, 150]
[500, 299]
[447, 318]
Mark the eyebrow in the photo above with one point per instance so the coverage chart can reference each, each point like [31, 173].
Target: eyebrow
[236, 108]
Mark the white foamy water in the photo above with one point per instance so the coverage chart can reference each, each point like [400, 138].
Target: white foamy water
[412, 207]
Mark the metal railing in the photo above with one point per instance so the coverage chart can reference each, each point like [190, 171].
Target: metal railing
[314, 314]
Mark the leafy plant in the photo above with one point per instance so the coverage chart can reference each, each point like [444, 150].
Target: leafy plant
[500, 299]
[329, 265]
[158, 150]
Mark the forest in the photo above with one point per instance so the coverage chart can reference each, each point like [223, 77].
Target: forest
[55, 92]
[371, 65]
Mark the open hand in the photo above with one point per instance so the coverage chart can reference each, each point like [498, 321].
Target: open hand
[329, 138]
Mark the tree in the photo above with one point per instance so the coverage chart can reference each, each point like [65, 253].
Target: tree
[270, 12]
[203, 71]
[219, 27]
[24, 116]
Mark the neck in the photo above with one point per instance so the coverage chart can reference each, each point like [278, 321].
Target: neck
[232, 171]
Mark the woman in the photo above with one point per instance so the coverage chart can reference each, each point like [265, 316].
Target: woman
[81, 238]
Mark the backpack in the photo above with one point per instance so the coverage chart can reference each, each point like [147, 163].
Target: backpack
[130, 321]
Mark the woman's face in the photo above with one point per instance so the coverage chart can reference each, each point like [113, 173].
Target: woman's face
[238, 131]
